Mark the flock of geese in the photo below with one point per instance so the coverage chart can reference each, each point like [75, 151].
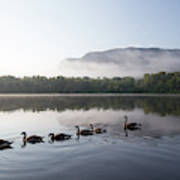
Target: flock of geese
[62, 136]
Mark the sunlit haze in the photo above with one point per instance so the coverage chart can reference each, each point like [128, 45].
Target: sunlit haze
[37, 35]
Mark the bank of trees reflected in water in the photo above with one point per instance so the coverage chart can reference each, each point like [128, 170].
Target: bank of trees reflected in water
[162, 105]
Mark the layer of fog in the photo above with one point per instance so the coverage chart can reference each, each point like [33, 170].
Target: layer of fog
[152, 125]
[122, 62]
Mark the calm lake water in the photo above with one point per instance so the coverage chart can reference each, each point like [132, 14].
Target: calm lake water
[150, 153]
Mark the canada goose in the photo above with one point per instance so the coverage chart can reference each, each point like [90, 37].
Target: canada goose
[84, 132]
[32, 139]
[131, 126]
[97, 130]
[59, 137]
[5, 144]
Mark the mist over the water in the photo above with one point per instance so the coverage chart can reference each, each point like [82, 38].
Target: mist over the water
[122, 62]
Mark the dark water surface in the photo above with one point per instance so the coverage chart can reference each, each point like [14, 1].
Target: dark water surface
[150, 153]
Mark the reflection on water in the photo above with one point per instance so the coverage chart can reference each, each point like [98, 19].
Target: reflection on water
[162, 105]
[151, 152]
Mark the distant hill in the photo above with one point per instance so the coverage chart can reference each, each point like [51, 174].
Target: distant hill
[130, 61]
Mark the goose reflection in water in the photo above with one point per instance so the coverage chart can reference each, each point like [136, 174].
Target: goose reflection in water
[24, 143]
[126, 132]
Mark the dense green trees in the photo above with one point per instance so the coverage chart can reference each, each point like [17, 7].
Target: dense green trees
[162, 82]
[151, 83]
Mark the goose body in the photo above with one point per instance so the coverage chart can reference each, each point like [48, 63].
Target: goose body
[83, 132]
[32, 139]
[5, 144]
[59, 137]
[131, 126]
[97, 130]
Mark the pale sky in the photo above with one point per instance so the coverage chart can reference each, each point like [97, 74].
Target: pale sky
[35, 35]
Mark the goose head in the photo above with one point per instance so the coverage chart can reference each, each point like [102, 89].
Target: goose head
[126, 118]
[77, 127]
[24, 134]
[91, 126]
[51, 135]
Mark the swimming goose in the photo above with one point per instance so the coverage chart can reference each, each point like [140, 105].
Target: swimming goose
[97, 130]
[84, 132]
[32, 139]
[131, 126]
[59, 137]
[5, 144]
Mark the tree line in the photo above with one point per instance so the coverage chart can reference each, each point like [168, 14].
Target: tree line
[161, 82]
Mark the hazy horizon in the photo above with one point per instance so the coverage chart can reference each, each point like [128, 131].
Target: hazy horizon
[36, 36]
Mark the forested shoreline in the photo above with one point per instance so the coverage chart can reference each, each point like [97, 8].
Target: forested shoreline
[161, 82]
